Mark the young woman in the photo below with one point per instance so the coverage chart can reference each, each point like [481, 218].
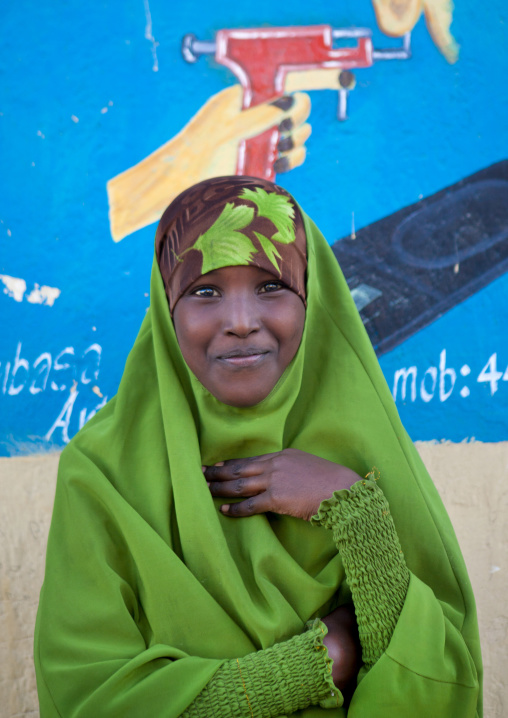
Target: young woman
[250, 478]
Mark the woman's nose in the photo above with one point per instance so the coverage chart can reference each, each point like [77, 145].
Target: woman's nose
[241, 315]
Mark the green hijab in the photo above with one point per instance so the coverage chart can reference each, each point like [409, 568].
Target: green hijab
[149, 587]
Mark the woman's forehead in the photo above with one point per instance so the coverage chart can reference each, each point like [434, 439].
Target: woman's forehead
[244, 272]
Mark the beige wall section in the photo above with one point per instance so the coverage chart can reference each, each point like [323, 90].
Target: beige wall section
[472, 479]
[473, 482]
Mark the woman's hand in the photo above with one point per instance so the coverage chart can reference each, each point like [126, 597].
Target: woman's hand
[343, 647]
[288, 482]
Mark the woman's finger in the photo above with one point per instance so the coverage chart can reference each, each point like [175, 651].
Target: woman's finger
[233, 469]
[249, 507]
[237, 468]
[238, 487]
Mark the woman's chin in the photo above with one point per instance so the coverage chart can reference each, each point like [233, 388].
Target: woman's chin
[242, 397]
[242, 387]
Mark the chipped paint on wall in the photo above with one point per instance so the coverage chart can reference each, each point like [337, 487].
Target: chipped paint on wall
[15, 288]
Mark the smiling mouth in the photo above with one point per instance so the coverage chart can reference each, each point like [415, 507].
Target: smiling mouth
[243, 358]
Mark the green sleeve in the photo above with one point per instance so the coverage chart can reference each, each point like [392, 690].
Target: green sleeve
[376, 571]
[272, 682]
[416, 660]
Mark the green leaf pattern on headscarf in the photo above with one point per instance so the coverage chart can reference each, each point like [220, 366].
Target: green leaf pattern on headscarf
[275, 207]
[224, 245]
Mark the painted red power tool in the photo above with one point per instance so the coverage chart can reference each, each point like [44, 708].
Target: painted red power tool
[260, 58]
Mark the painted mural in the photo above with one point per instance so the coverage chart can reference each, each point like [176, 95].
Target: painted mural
[393, 138]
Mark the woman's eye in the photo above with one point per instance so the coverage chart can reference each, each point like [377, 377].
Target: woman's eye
[272, 286]
[205, 292]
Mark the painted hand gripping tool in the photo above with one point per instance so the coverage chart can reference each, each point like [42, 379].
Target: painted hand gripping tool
[261, 58]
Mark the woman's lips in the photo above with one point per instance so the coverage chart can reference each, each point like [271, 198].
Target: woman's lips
[241, 360]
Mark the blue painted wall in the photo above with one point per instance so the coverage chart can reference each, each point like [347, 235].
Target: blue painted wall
[81, 102]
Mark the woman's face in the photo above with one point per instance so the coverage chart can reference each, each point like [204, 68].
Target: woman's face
[238, 329]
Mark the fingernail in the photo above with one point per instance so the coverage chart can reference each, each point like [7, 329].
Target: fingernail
[203, 469]
[285, 144]
[286, 125]
[346, 79]
[281, 165]
[284, 102]
[219, 463]
[208, 484]
[224, 508]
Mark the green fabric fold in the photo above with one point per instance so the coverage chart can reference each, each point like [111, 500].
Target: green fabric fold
[424, 664]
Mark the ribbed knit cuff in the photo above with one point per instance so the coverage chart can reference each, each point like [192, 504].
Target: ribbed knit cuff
[273, 682]
[376, 571]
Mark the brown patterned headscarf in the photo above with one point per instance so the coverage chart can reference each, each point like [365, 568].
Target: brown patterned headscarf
[230, 221]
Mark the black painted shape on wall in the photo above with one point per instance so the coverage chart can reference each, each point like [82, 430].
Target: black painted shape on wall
[408, 269]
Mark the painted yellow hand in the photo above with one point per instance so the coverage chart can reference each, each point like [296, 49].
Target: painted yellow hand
[206, 147]
[438, 16]
[396, 17]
